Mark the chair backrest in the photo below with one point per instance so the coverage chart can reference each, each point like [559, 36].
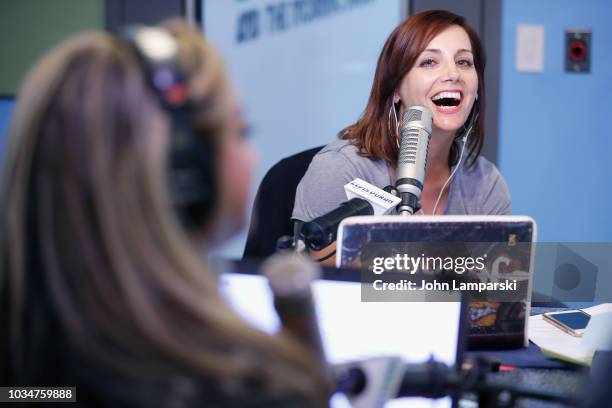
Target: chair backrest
[273, 206]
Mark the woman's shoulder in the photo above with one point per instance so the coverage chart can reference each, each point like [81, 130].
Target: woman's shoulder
[341, 147]
[485, 186]
[483, 164]
[347, 151]
[342, 157]
[322, 187]
[482, 170]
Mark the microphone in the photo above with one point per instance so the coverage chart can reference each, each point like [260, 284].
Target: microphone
[383, 201]
[388, 378]
[290, 275]
[414, 143]
[364, 199]
[370, 382]
[323, 230]
[365, 382]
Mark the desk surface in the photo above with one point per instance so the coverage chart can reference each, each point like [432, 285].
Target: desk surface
[558, 377]
[556, 380]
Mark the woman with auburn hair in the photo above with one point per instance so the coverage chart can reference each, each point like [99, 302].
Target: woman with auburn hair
[433, 59]
[101, 286]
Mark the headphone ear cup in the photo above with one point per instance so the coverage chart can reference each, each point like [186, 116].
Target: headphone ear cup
[192, 172]
[192, 177]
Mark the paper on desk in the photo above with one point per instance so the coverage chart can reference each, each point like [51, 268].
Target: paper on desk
[556, 343]
[598, 334]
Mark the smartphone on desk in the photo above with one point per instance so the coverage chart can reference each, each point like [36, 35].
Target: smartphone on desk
[571, 321]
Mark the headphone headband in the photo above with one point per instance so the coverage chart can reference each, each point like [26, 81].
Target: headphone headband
[158, 52]
[192, 167]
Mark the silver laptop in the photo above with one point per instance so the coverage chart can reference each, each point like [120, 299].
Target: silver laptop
[508, 241]
[353, 330]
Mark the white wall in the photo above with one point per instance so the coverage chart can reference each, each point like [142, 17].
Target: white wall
[305, 75]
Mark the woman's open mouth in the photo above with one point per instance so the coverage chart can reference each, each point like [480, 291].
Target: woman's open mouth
[447, 101]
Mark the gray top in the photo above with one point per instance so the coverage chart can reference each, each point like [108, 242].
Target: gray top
[476, 190]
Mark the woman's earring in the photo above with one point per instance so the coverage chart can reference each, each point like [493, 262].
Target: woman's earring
[396, 121]
[396, 125]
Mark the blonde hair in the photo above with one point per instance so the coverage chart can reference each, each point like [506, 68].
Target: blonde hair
[89, 237]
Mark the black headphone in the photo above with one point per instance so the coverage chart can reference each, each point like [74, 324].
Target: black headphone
[192, 169]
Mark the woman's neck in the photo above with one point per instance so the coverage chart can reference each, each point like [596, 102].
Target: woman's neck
[437, 172]
[438, 155]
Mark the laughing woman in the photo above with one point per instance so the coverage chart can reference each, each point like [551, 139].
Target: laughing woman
[433, 59]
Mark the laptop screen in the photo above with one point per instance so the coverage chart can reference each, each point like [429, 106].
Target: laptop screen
[352, 329]
[505, 241]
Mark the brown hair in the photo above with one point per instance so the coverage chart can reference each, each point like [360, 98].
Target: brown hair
[372, 133]
[88, 238]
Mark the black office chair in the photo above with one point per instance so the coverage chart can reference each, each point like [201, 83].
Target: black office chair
[271, 216]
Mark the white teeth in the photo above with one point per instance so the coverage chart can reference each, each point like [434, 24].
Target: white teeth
[453, 95]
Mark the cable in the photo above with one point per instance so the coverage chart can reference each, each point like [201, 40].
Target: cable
[464, 138]
[452, 174]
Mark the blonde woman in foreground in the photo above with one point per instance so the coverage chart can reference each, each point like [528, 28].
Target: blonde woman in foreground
[101, 287]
